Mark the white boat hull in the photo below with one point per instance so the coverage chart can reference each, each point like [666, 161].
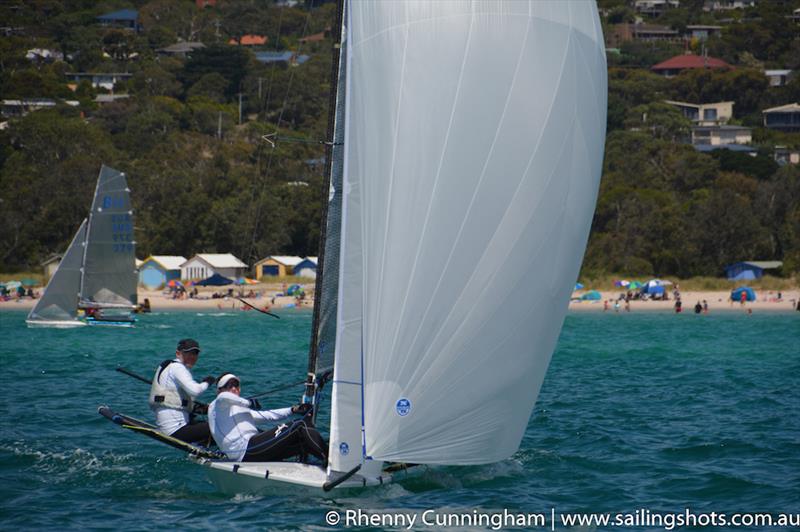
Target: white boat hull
[55, 324]
[268, 477]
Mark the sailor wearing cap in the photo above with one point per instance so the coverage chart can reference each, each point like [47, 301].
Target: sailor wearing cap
[233, 421]
[173, 392]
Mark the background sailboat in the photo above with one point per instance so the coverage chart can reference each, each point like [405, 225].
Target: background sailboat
[98, 271]
[467, 151]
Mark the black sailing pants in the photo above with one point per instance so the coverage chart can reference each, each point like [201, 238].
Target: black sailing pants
[282, 442]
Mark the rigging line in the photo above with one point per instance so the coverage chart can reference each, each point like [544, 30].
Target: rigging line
[271, 156]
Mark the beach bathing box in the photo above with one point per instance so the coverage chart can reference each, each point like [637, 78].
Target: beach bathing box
[204, 265]
[277, 265]
[157, 270]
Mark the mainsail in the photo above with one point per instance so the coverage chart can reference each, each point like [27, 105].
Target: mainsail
[474, 137]
[59, 303]
[109, 265]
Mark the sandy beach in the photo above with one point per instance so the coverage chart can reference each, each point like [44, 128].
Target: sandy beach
[717, 301]
[265, 297]
[262, 296]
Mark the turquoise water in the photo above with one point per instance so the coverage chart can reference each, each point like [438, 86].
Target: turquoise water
[638, 411]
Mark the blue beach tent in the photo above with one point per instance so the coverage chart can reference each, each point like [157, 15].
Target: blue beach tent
[750, 294]
[215, 280]
[592, 295]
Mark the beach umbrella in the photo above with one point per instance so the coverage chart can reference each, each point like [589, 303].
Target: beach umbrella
[13, 285]
[750, 294]
[292, 290]
[592, 295]
[634, 285]
[174, 283]
[244, 280]
[215, 280]
[623, 283]
[30, 282]
[578, 286]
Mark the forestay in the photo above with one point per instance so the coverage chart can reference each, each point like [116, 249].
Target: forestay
[109, 278]
[60, 299]
[474, 144]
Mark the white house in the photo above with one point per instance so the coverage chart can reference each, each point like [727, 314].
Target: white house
[205, 265]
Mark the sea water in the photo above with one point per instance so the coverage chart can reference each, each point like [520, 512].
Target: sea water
[640, 414]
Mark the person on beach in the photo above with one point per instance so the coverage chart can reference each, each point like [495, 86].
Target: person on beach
[173, 391]
[233, 421]
[705, 307]
[678, 306]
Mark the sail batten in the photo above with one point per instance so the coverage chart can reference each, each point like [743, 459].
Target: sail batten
[471, 167]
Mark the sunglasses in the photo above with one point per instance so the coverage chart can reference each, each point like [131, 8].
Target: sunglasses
[232, 384]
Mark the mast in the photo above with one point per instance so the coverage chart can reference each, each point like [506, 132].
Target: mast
[314, 346]
[85, 238]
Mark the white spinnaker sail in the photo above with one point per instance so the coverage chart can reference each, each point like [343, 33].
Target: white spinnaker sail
[475, 134]
[109, 277]
[60, 299]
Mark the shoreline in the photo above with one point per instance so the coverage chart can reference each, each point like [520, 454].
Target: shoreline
[267, 299]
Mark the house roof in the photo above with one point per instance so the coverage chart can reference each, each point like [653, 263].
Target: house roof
[122, 14]
[286, 260]
[277, 57]
[310, 259]
[681, 62]
[788, 108]
[250, 40]
[218, 260]
[168, 262]
[695, 105]
[181, 47]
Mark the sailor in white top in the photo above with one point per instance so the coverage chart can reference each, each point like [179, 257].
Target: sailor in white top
[232, 420]
[173, 392]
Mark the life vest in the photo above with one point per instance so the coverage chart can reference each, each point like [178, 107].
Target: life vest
[163, 396]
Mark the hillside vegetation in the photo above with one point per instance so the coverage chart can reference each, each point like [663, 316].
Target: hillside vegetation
[202, 181]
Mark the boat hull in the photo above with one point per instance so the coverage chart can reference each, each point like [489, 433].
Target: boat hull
[110, 323]
[276, 477]
[55, 324]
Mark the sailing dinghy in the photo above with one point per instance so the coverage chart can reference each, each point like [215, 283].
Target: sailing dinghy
[464, 165]
[95, 283]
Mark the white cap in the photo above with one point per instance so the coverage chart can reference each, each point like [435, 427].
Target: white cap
[225, 379]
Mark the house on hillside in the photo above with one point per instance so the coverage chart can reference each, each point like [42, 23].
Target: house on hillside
[702, 32]
[779, 77]
[784, 155]
[705, 114]
[748, 270]
[23, 106]
[157, 270]
[655, 8]
[306, 268]
[721, 135]
[181, 49]
[106, 80]
[317, 37]
[276, 265]
[127, 19]
[205, 265]
[784, 118]
[675, 65]
[249, 40]
[620, 33]
[287, 57]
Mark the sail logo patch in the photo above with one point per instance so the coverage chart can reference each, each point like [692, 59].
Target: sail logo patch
[344, 449]
[403, 407]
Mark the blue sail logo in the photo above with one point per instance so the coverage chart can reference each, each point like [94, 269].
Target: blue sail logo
[403, 407]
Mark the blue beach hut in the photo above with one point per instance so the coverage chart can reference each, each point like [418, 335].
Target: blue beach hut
[156, 271]
[750, 294]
